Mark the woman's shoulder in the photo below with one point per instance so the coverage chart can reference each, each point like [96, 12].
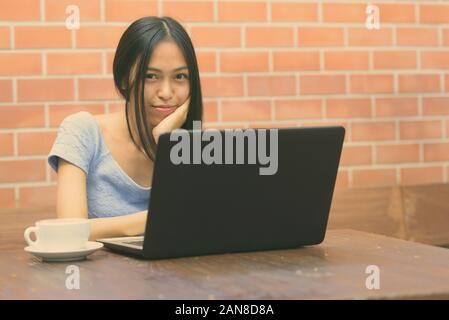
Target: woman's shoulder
[79, 119]
[78, 141]
[111, 128]
[106, 122]
[80, 128]
[86, 122]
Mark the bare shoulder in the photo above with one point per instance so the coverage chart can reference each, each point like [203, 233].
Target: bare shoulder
[106, 121]
[112, 128]
[103, 119]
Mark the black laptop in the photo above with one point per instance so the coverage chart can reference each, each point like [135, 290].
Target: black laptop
[227, 202]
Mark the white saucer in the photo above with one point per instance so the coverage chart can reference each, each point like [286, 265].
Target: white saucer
[72, 255]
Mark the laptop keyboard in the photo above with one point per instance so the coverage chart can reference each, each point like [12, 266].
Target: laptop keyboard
[135, 243]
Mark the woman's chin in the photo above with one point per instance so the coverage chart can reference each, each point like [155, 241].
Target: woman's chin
[154, 118]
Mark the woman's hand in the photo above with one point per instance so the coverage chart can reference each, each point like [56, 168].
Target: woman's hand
[173, 121]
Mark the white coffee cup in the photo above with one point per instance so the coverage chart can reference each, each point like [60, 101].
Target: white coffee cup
[59, 234]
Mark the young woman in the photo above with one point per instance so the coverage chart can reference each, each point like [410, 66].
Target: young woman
[105, 162]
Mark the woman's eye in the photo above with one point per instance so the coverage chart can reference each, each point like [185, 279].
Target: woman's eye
[151, 76]
[182, 75]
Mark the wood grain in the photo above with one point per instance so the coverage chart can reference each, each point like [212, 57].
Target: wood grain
[415, 213]
[333, 270]
[426, 213]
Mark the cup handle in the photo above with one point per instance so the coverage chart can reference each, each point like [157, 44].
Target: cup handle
[27, 234]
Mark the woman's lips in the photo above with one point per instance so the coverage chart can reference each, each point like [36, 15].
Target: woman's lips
[164, 109]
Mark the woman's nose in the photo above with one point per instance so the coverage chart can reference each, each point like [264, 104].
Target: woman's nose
[165, 91]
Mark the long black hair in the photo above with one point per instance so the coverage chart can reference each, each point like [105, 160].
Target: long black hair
[135, 48]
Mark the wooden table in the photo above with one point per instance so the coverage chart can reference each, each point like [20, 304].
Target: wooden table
[335, 269]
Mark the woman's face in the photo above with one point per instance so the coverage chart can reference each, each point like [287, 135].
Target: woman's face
[167, 84]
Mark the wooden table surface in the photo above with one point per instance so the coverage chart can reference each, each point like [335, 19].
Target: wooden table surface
[335, 269]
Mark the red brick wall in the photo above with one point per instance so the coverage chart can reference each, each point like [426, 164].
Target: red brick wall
[263, 63]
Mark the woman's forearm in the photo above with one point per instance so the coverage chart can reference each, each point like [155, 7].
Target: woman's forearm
[122, 226]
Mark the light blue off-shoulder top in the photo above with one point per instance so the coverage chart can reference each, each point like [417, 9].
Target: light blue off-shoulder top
[110, 191]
